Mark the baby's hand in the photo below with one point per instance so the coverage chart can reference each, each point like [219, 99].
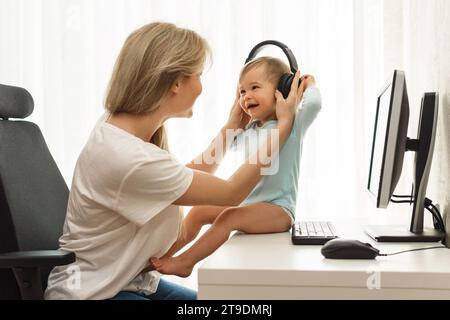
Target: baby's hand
[238, 119]
[309, 80]
[286, 108]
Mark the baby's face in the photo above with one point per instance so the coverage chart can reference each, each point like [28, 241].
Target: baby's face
[257, 95]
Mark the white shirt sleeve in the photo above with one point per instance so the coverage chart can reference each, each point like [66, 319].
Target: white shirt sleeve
[151, 186]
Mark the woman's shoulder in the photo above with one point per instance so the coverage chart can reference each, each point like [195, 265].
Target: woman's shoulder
[109, 158]
[112, 146]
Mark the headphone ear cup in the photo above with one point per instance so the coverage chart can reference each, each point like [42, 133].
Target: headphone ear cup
[284, 85]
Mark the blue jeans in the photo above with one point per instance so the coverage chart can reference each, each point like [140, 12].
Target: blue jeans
[166, 291]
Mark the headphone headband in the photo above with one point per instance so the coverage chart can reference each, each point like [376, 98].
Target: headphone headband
[286, 50]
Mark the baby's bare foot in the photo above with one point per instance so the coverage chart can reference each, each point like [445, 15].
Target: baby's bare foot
[173, 265]
[180, 243]
[148, 268]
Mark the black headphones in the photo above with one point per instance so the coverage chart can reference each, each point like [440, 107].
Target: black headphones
[284, 85]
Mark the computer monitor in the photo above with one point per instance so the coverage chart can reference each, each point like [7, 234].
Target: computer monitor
[390, 142]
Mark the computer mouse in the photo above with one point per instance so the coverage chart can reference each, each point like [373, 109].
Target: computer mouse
[349, 249]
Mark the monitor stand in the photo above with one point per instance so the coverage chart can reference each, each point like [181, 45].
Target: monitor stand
[383, 233]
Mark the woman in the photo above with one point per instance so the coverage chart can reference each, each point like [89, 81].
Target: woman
[127, 188]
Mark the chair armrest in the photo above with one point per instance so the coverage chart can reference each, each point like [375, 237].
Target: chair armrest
[26, 267]
[36, 259]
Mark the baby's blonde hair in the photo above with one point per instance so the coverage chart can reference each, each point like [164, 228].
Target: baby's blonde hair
[152, 59]
[274, 68]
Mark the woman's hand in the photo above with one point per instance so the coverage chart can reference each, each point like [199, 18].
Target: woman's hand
[286, 108]
[238, 119]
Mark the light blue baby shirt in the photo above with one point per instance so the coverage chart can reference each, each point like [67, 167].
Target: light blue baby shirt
[281, 187]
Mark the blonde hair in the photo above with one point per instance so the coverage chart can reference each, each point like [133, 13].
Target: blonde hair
[274, 68]
[152, 59]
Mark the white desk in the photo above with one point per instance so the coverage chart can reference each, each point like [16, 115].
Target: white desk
[268, 266]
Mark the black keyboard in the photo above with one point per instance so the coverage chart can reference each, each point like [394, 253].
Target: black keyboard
[312, 232]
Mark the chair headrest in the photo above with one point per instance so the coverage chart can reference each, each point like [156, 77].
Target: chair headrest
[15, 102]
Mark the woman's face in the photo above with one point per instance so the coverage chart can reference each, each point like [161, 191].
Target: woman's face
[257, 94]
[189, 89]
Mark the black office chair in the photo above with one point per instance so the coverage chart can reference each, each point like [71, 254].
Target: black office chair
[33, 202]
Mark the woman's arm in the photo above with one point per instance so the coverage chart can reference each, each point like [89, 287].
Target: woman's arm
[210, 159]
[207, 189]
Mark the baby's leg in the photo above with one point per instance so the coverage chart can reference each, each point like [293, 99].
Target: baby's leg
[192, 224]
[254, 218]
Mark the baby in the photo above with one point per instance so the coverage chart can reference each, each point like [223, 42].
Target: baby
[270, 207]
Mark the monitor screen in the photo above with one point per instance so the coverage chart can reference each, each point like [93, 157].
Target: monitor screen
[389, 139]
[379, 139]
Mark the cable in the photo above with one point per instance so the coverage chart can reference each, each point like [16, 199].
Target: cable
[439, 215]
[438, 224]
[437, 218]
[401, 201]
[401, 196]
[411, 200]
[391, 254]
[435, 212]
[434, 207]
[441, 220]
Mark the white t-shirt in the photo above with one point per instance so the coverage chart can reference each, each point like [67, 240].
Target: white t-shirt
[119, 215]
